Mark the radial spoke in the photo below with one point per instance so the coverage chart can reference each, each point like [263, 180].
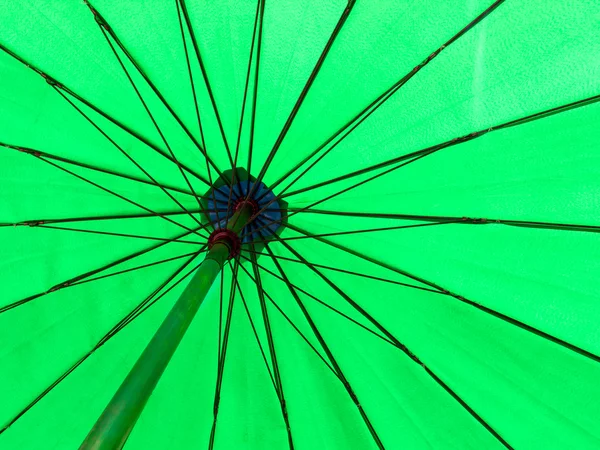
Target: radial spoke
[72, 281]
[197, 109]
[415, 156]
[105, 28]
[55, 83]
[239, 136]
[47, 158]
[286, 317]
[350, 272]
[151, 299]
[330, 356]
[377, 215]
[205, 76]
[267, 324]
[122, 197]
[375, 104]
[335, 194]
[133, 269]
[265, 314]
[255, 91]
[306, 88]
[35, 152]
[254, 100]
[260, 347]
[369, 230]
[223, 355]
[462, 299]
[402, 347]
[151, 116]
[36, 222]
[321, 302]
[369, 259]
[130, 158]
[110, 233]
[222, 287]
[455, 141]
[459, 219]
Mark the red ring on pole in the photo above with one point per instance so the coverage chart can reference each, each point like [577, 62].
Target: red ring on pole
[227, 237]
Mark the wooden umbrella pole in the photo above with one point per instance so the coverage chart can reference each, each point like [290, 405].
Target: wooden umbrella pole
[114, 425]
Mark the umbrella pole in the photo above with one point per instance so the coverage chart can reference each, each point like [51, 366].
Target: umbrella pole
[119, 417]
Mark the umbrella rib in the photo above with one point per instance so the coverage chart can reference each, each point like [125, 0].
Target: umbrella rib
[204, 75]
[267, 324]
[330, 356]
[133, 269]
[110, 233]
[375, 104]
[265, 314]
[377, 215]
[286, 317]
[404, 349]
[369, 230]
[100, 343]
[71, 281]
[223, 355]
[239, 136]
[36, 222]
[462, 219]
[222, 287]
[255, 90]
[276, 385]
[253, 115]
[47, 157]
[35, 152]
[335, 194]
[262, 351]
[53, 82]
[309, 295]
[450, 143]
[370, 259]
[151, 116]
[197, 109]
[129, 157]
[122, 197]
[462, 299]
[409, 158]
[350, 272]
[309, 82]
[106, 28]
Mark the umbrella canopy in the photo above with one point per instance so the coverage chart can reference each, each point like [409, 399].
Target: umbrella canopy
[420, 265]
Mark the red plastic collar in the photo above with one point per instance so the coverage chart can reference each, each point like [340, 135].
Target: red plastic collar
[227, 237]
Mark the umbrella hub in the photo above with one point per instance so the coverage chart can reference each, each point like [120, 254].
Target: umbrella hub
[264, 213]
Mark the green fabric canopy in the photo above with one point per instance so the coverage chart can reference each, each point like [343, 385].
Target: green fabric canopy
[433, 283]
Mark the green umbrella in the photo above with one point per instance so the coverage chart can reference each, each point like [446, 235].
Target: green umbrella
[299, 224]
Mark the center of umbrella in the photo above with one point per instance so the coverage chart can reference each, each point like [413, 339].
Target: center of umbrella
[266, 218]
